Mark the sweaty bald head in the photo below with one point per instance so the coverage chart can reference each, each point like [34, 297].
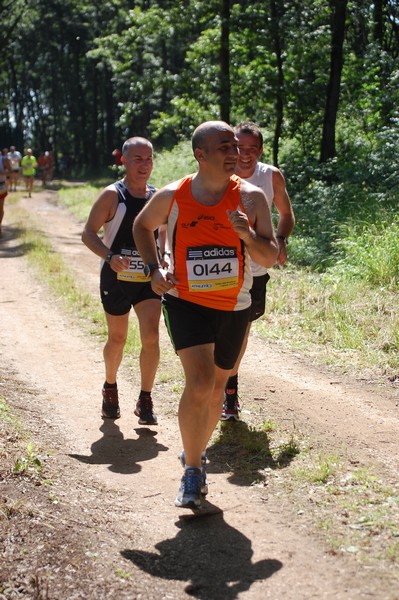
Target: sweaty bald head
[207, 130]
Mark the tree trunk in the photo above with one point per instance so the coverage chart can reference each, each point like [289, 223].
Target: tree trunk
[275, 24]
[225, 91]
[111, 142]
[333, 89]
[378, 21]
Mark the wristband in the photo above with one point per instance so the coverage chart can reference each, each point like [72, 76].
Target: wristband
[150, 267]
[282, 238]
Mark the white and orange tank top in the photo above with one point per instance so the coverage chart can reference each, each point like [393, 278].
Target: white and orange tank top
[208, 258]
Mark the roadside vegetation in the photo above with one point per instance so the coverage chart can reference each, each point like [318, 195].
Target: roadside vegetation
[21, 459]
[353, 508]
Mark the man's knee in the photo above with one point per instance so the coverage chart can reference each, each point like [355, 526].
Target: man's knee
[149, 331]
[117, 338]
[200, 386]
[150, 341]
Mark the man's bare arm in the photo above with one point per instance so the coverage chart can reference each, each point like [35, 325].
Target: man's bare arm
[153, 216]
[102, 211]
[259, 237]
[286, 219]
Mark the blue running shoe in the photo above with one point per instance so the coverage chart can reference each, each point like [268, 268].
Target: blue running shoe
[189, 494]
[204, 481]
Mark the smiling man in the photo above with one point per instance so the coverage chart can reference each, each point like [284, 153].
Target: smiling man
[215, 222]
[122, 281]
[271, 181]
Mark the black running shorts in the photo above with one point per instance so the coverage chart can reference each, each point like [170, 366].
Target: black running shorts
[258, 296]
[118, 297]
[191, 324]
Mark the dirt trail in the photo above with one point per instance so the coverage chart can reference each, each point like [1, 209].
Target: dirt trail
[118, 480]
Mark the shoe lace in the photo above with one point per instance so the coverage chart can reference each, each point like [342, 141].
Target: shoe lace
[192, 481]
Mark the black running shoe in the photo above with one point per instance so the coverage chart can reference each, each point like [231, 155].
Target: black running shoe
[110, 408]
[144, 411]
[231, 407]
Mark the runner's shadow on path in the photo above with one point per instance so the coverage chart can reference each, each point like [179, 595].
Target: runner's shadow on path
[246, 453]
[214, 558]
[123, 455]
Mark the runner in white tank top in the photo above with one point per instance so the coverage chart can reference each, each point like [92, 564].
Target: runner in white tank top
[271, 181]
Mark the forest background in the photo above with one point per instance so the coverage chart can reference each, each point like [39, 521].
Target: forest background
[321, 77]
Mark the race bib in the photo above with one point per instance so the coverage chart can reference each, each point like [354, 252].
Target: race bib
[134, 273]
[211, 268]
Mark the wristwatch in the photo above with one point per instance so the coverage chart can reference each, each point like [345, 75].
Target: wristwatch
[150, 267]
[108, 257]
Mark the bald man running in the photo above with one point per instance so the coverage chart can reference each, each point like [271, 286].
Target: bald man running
[215, 223]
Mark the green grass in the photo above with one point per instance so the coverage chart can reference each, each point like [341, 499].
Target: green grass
[371, 254]
[356, 510]
[19, 457]
[79, 199]
[345, 323]
[7, 418]
[52, 271]
[251, 450]
[173, 164]
[321, 471]
[30, 462]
